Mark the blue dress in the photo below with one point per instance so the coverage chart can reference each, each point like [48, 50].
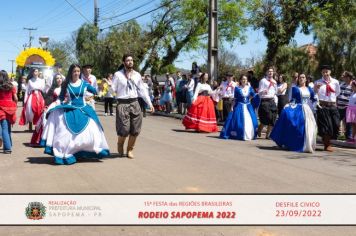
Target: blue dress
[241, 123]
[73, 129]
[295, 129]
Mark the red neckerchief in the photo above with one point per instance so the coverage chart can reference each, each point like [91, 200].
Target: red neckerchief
[229, 85]
[329, 89]
[87, 79]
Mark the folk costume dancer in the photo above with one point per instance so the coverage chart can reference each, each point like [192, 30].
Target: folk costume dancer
[73, 129]
[328, 117]
[227, 94]
[267, 111]
[295, 129]
[128, 86]
[241, 122]
[34, 101]
[201, 115]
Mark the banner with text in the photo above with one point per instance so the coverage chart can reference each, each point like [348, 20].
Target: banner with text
[178, 209]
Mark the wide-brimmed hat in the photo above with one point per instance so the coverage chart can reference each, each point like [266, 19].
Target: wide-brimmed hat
[229, 74]
[325, 67]
[87, 66]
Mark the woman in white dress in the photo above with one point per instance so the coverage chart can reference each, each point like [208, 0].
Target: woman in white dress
[73, 129]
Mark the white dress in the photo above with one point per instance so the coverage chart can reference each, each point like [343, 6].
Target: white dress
[73, 129]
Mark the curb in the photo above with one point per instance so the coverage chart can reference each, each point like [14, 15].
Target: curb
[334, 142]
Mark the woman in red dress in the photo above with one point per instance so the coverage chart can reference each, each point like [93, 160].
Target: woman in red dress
[8, 100]
[201, 115]
[34, 102]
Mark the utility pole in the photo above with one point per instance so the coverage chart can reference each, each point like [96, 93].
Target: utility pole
[96, 13]
[12, 66]
[30, 37]
[213, 40]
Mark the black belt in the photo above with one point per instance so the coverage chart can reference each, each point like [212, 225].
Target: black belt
[327, 104]
[126, 100]
[267, 99]
[205, 93]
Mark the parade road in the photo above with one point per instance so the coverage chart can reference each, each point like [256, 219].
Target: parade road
[169, 159]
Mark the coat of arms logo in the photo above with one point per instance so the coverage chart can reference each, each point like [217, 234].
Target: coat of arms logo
[35, 211]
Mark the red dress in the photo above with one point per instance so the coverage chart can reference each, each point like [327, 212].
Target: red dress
[201, 115]
[8, 105]
[34, 103]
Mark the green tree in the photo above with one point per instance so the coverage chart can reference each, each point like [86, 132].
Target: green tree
[228, 62]
[290, 59]
[63, 52]
[280, 19]
[87, 44]
[126, 38]
[335, 34]
[183, 26]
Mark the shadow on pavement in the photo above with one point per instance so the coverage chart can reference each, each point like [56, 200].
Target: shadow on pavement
[21, 131]
[50, 161]
[41, 160]
[185, 131]
[114, 155]
[273, 148]
[32, 145]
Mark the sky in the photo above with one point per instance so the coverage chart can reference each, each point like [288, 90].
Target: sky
[57, 19]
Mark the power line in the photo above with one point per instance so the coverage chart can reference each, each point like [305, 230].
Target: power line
[115, 9]
[77, 11]
[143, 14]
[129, 11]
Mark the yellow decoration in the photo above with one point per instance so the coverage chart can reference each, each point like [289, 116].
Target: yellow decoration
[47, 57]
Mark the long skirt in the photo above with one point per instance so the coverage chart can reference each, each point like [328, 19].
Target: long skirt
[33, 108]
[241, 123]
[67, 146]
[295, 129]
[351, 114]
[201, 115]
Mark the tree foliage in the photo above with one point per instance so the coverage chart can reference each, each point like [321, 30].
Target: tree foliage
[280, 19]
[183, 26]
[105, 51]
[63, 52]
[335, 33]
[290, 59]
[87, 44]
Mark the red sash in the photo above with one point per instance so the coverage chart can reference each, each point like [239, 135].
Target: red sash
[329, 89]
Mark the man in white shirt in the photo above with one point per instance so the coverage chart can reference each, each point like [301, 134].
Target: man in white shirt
[128, 86]
[267, 111]
[227, 89]
[91, 79]
[328, 117]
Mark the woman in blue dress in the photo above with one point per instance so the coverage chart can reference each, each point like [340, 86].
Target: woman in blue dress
[295, 129]
[241, 122]
[73, 129]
